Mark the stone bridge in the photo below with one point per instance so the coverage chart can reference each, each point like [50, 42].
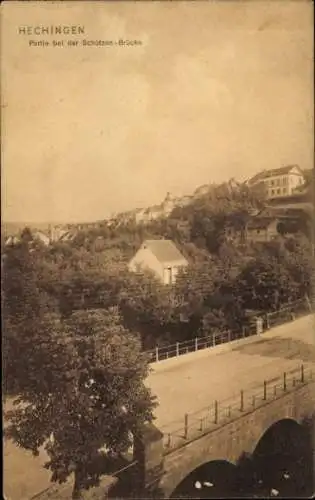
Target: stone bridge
[167, 470]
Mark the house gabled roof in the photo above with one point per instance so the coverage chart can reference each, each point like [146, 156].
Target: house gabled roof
[164, 250]
[260, 222]
[12, 239]
[67, 236]
[265, 174]
[42, 236]
[278, 212]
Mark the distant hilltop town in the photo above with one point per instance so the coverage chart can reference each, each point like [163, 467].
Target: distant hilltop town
[280, 185]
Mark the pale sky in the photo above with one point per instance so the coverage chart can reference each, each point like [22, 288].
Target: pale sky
[216, 90]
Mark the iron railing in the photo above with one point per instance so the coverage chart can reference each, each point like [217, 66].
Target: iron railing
[178, 433]
[288, 312]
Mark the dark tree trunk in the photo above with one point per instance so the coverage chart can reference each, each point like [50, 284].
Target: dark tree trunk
[78, 483]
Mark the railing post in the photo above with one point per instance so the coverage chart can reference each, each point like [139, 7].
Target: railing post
[177, 349]
[186, 426]
[201, 424]
[216, 412]
[213, 340]
[265, 390]
[157, 353]
[284, 381]
[242, 401]
[229, 336]
[168, 440]
[308, 302]
[196, 344]
[267, 322]
[302, 373]
[243, 331]
[259, 324]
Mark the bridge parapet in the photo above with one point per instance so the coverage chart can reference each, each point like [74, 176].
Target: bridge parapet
[221, 412]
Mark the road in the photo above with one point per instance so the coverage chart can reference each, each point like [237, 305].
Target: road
[186, 387]
[23, 474]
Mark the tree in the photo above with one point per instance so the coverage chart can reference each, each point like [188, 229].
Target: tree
[300, 264]
[208, 216]
[84, 393]
[265, 283]
[21, 306]
[149, 307]
[19, 284]
[26, 235]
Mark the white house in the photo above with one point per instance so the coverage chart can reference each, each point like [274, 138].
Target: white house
[201, 190]
[183, 201]
[160, 256]
[140, 215]
[279, 182]
[12, 240]
[41, 236]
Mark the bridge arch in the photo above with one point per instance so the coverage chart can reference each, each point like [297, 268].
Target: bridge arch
[282, 457]
[278, 459]
[243, 437]
[213, 479]
[279, 432]
[239, 448]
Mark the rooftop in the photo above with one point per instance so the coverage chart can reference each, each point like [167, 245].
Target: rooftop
[273, 172]
[164, 250]
[279, 212]
[260, 222]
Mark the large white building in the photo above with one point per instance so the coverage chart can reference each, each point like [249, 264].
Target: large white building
[279, 182]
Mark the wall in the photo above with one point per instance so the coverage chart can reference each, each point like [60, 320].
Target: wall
[233, 439]
[295, 179]
[255, 236]
[280, 182]
[175, 270]
[272, 231]
[145, 259]
[202, 353]
[266, 234]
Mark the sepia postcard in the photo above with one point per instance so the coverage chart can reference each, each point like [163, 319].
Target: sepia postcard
[157, 249]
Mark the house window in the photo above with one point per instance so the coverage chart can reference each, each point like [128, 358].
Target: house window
[272, 183]
[278, 182]
[284, 190]
[258, 231]
[278, 191]
[272, 191]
